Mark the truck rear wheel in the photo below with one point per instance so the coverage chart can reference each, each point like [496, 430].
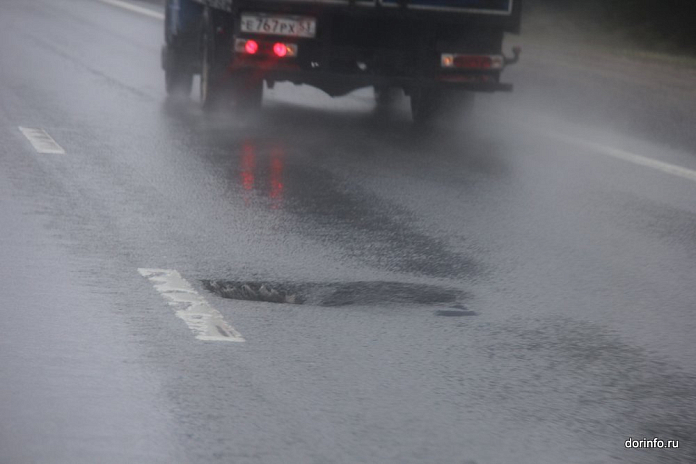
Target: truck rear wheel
[386, 96]
[220, 89]
[425, 106]
[437, 106]
[178, 78]
[247, 92]
[213, 81]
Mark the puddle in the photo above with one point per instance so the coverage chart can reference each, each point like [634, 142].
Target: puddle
[338, 294]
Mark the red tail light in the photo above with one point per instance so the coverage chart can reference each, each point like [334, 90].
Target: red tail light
[280, 49]
[251, 47]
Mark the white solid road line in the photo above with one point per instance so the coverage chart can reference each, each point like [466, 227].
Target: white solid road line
[134, 8]
[205, 321]
[41, 141]
[626, 156]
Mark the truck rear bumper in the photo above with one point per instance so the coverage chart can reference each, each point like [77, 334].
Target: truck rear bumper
[337, 84]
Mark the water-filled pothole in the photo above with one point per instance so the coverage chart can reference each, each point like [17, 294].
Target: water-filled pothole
[455, 313]
[335, 294]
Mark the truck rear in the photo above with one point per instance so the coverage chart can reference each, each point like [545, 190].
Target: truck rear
[428, 48]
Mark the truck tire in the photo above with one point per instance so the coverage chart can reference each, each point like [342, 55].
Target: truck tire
[385, 96]
[425, 106]
[432, 106]
[178, 78]
[215, 81]
[247, 93]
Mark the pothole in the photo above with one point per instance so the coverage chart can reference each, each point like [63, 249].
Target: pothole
[455, 313]
[336, 294]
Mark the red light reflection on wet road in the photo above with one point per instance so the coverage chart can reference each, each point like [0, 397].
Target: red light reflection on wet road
[248, 165]
[263, 174]
[277, 166]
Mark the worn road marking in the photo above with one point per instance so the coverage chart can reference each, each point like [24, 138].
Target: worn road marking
[42, 142]
[205, 321]
[623, 155]
[631, 157]
[134, 8]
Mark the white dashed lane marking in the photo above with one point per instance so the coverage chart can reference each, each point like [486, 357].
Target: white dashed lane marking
[204, 321]
[41, 141]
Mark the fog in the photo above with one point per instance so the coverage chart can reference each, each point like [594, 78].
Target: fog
[650, 24]
[513, 283]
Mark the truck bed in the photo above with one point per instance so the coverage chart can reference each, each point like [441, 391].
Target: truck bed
[461, 8]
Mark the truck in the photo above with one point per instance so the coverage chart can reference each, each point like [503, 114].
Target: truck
[429, 49]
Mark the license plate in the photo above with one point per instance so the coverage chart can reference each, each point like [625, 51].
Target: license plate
[294, 26]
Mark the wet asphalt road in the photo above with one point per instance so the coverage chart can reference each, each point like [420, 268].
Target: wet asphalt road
[507, 292]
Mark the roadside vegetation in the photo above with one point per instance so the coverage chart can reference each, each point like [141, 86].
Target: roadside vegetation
[658, 26]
